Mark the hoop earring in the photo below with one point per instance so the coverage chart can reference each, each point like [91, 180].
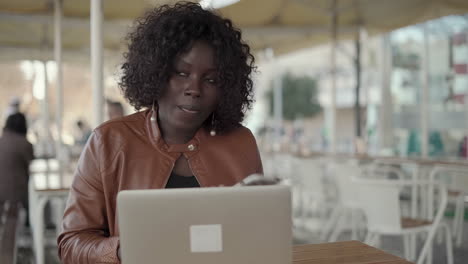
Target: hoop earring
[153, 115]
[213, 131]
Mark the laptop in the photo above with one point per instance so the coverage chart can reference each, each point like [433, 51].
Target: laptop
[218, 225]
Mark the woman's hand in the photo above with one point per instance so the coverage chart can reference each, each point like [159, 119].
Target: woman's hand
[258, 179]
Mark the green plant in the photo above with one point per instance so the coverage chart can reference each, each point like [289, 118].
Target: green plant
[299, 97]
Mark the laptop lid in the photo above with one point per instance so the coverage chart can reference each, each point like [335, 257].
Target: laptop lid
[228, 225]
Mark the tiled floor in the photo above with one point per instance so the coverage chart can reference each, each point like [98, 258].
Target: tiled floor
[392, 245]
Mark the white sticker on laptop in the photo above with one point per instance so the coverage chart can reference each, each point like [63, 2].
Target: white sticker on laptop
[206, 238]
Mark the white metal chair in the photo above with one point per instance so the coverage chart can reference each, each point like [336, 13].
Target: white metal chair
[347, 209]
[391, 168]
[282, 166]
[381, 204]
[44, 176]
[307, 182]
[277, 164]
[455, 178]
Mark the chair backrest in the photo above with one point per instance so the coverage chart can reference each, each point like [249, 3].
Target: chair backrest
[380, 170]
[281, 165]
[451, 176]
[381, 206]
[347, 189]
[309, 174]
[268, 164]
[454, 177]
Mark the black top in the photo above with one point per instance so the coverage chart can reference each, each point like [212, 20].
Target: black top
[177, 181]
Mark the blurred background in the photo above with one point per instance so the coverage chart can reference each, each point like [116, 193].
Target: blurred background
[338, 82]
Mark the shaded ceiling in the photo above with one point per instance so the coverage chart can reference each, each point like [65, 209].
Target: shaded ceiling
[26, 26]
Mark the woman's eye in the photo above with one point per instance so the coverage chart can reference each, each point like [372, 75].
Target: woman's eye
[210, 80]
[182, 74]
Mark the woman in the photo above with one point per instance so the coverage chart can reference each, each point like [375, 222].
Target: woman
[15, 155]
[191, 71]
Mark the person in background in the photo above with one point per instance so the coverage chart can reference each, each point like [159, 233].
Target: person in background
[83, 133]
[16, 153]
[463, 147]
[12, 108]
[114, 109]
[189, 72]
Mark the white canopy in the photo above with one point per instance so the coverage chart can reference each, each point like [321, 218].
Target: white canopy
[26, 26]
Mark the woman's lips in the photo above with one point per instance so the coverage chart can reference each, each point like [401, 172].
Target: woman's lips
[189, 109]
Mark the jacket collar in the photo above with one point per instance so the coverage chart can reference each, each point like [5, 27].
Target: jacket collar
[188, 149]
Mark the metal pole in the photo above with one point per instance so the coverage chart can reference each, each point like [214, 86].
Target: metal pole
[278, 107]
[332, 122]
[46, 114]
[357, 65]
[59, 85]
[424, 106]
[466, 95]
[96, 61]
[45, 109]
[386, 104]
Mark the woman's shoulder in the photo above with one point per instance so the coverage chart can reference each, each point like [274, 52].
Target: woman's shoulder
[238, 138]
[237, 147]
[240, 132]
[114, 135]
[125, 126]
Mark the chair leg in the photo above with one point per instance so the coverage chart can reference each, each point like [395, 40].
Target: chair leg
[298, 208]
[424, 203]
[448, 239]
[461, 218]
[38, 231]
[354, 221]
[412, 247]
[429, 254]
[406, 246]
[60, 207]
[439, 236]
[362, 225]
[455, 220]
[335, 215]
[339, 227]
[426, 251]
[368, 239]
[377, 240]
[372, 239]
[302, 208]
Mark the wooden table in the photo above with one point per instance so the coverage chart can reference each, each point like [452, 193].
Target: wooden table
[346, 252]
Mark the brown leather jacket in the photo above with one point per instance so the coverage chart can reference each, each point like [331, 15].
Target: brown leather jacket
[129, 153]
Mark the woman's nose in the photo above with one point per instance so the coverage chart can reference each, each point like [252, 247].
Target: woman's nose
[193, 88]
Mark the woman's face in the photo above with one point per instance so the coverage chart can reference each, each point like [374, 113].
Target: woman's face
[192, 92]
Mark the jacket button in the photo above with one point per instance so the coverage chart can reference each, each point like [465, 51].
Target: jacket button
[191, 147]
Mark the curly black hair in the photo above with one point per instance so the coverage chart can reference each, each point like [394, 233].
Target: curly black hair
[164, 33]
